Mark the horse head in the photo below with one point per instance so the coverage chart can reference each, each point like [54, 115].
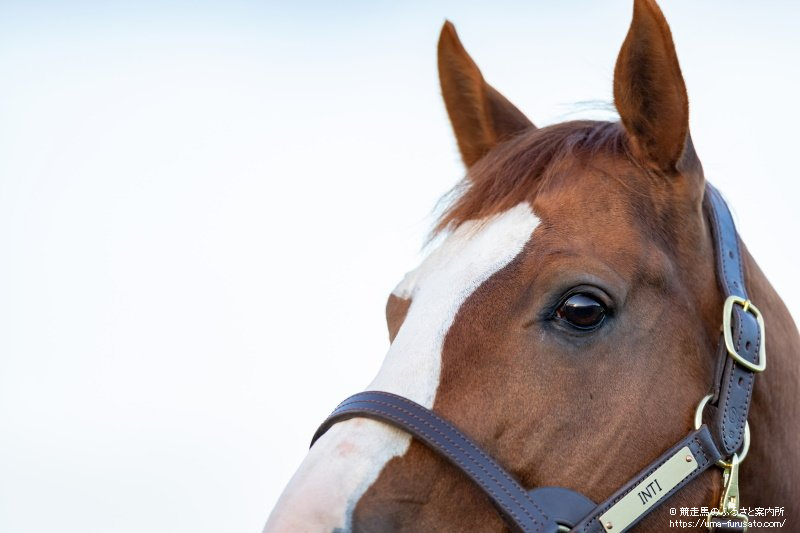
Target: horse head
[567, 320]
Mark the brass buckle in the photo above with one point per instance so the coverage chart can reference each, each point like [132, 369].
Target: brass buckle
[727, 313]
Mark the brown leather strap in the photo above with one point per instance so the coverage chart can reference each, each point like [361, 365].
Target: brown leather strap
[732, 394]
[564, 506]
[705, 453]
[507, 495]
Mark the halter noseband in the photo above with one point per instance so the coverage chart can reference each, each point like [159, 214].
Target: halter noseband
[740, 356]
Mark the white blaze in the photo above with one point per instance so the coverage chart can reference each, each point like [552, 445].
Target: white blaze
[349, 457]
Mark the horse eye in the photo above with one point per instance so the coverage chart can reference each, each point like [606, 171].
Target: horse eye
[582, 312]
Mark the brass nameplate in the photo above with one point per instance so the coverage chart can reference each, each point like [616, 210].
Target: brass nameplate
[647, 493]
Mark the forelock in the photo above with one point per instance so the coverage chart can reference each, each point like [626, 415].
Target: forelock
[517, 169]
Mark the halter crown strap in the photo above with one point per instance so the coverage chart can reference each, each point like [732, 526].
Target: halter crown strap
[741, 347]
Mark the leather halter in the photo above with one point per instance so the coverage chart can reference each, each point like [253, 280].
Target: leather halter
[740, 355]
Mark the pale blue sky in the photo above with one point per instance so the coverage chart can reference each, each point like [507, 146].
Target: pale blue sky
[203, 206]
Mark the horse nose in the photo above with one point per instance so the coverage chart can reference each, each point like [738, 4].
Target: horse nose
[307, 510]
[337, 471]
[313, 502]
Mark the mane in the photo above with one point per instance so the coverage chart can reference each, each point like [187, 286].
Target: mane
[516, 169]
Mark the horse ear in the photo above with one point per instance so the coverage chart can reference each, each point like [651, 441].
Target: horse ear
[649, 91]
[481, 116]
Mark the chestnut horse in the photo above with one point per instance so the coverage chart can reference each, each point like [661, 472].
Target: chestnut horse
[567, 323]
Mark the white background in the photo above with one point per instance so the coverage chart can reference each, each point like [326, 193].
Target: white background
[204, 205]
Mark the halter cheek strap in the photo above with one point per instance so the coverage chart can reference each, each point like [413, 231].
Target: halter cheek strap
[549, 509]
[741, 348]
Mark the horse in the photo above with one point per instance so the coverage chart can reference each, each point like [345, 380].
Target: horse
[568, 321]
